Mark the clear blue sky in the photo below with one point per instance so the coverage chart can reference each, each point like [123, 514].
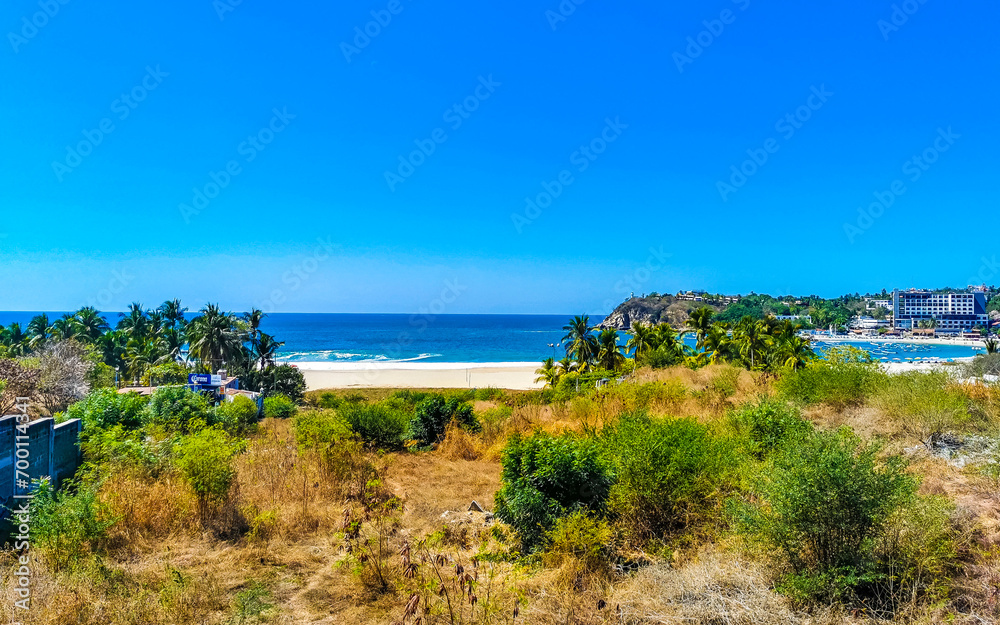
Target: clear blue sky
[108, 227]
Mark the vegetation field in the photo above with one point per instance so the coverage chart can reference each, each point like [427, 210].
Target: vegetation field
[825, 493]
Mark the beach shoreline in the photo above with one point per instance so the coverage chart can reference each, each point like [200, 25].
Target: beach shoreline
[340, 375]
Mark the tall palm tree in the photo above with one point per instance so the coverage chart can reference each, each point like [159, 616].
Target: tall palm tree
[266, 349]
[580, 343]
[751, 339]
[699, 322]
[717, 344]
[39, 331]
[668, 339]
[173, 314]
[548, 373]
[134, 323]
[640, 340]
[91, 324]
[609, 353]
[112, 345]
[213, 337]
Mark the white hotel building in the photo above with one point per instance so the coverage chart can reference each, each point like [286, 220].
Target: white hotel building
[953, 312]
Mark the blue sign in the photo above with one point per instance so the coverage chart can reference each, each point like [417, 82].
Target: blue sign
[200, 378]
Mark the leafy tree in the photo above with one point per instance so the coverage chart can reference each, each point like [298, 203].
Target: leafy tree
[177, 409]
[106, 408]
[548, 373]
[545, 478]
[640, 340]
[279, 407]
[213, 337]
[432, 416]
[205, 459]
[700, 322]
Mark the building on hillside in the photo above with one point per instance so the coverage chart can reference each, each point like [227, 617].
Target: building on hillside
[950, 313]
[806, 318]
[874, 304]
[869, 323]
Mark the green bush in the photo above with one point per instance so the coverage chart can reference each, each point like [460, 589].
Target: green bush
[828, 506]
[846, 377]
[767, 425]
[106, 407]
[382, 425]
[925, 402]
[660, 358]
[177, 409]
[275, 380]
[669, 473]
[205, 460]
[238, 416]
[167, 373]
[117, 448]
[68, 524]
[582, 540]
[433, 415]
[545, 478]
[279, 407]
[328, 399]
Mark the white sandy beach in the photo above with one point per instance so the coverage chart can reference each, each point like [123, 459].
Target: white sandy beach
[507, 375]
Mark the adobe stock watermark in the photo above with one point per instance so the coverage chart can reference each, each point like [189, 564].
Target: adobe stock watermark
[565, 9]
[454, 116]
[363, 35]
[418, 323]
[116, 285]
[900, 15]
[21, 515]
[633, 281]
[987, 271]
[249, 149]
[122, 107]
[913, 169]
[787, 126]
[30, 26]
[299, 274]
[582, 158]
[222, 7]
[713, 30]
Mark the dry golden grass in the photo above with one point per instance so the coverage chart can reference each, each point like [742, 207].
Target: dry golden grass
[164, 569]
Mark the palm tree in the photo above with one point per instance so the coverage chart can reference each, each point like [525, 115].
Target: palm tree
[795, 352]
[38, 331]
[699, 322]
[640, 340]
[213, 338]
[668, 340]
[112, 345]
[609, 353]
[717, 344]
[134, 322]
[548, 373]
[750, 337]
[65, 327]
[15, 339]
[173, 314]
[266, 349]
[580, 343]
[91, 324]
[567, 366]
[992, 344]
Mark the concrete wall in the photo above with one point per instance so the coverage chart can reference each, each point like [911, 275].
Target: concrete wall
[54, 451]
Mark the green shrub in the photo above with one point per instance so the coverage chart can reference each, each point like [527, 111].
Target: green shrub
[177, 409]
[68, 524]
[490, 393]
[382, 425]
[205, 460]
[846, 377]
[925, 402]
[827, 506]
[167, 373]
[660, 358]
[116, 448]
[275, 380]
[106, 407]
[279, 407]
[767, 425]
[328, 399]
[582, 540]
[238, 416]
[433, 415]
[544, 478]
[668, 472]
[635, 397]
